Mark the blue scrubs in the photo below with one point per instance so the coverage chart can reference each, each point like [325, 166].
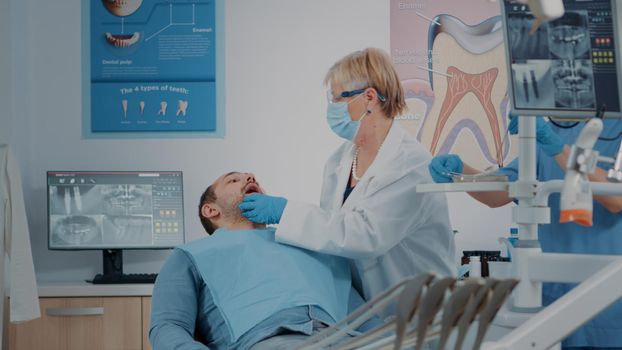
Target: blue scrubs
[605, 237]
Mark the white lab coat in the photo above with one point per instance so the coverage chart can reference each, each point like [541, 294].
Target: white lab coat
[389, 230]
[15, 243]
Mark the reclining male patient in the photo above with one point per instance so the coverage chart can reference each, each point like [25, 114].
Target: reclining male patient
[238, 286]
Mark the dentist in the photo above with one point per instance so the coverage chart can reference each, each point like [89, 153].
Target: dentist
[369, 209]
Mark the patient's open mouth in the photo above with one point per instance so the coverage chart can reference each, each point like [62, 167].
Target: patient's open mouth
[252, 188]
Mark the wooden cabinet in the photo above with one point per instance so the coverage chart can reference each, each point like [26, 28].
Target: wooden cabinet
[102, 320]
[146, 318]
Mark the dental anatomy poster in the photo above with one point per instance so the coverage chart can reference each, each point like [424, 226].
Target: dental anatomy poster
[450, 56]
[152, 66]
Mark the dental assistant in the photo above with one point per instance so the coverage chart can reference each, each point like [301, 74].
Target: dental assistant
[605, 237]
[369, 209]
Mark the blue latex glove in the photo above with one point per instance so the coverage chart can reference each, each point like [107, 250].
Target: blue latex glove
[263, 209]
[442, 165]
[547, 139]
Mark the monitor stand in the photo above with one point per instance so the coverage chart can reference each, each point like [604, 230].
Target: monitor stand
[112, 265]
[113, 270]
[112, 261]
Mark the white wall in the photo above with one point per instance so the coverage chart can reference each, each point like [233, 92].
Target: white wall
[5, 71]
[277, 52]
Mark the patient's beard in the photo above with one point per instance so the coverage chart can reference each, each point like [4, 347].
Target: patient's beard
[232, 216]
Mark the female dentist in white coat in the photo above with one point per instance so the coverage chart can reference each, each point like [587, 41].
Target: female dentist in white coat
[369, 209]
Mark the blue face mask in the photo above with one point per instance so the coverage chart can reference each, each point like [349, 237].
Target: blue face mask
[341, 122]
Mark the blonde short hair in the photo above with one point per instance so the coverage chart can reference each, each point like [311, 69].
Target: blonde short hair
[370, 67]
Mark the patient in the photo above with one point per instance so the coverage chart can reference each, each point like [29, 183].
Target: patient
[238, 287]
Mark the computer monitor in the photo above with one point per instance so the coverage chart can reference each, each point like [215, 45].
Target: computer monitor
[569, 67]
[115, 210]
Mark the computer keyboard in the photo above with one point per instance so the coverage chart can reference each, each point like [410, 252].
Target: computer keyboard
[125, 278]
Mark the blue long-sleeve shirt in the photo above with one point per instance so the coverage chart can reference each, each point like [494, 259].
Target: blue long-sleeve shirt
[182, 307]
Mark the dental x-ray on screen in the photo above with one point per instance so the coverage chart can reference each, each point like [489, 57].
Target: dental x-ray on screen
[107, 210]
[569, 66]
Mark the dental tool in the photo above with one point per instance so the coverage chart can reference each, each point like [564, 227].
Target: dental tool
[487, 175]
[356, 318]
[425, 310]
[454, 308]
[407, 303]
[407, 307]
[499, 293]
[475, 306]
[431, 304]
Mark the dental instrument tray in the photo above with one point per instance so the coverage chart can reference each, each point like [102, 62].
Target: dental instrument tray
[479, 178]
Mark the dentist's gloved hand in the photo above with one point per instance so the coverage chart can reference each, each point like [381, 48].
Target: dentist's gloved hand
[547, 139]
[441, 166]
[263, 209]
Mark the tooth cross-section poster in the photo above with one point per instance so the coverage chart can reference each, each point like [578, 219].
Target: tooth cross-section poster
[153, 66]
[450, 57]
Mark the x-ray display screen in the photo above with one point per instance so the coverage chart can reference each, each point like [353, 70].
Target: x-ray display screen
[113, 210]
[569, 64]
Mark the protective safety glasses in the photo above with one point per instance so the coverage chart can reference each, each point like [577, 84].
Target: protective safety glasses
[345, 94]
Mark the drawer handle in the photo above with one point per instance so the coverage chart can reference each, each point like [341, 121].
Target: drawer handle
[75, 311]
